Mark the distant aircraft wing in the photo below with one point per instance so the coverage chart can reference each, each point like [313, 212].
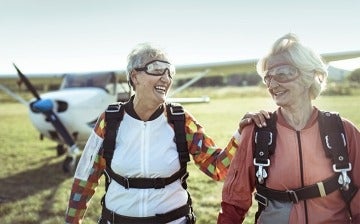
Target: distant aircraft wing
[13, 95]
[248, 66]
[189, 71]
[337, 56]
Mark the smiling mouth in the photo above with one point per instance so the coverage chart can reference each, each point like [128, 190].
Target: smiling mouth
[160, 89]
[278, 93]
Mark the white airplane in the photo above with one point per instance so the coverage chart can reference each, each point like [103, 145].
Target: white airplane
[68, 115]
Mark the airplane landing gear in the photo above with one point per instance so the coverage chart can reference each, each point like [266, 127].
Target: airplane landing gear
[61, 149]
[69, 164]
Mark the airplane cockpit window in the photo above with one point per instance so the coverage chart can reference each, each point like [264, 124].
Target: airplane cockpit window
[105, 81]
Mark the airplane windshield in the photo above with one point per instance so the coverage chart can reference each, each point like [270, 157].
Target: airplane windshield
[100, 80]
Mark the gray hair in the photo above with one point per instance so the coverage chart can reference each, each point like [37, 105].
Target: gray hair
[140, 55]
[310, 64]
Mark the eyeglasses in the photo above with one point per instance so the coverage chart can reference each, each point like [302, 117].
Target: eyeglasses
[281, 73]
[158, 68]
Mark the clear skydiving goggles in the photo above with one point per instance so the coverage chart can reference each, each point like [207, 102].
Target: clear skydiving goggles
[281, 73]
[158, 68]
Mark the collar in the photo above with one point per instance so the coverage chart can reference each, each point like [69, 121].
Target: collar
[129, 108]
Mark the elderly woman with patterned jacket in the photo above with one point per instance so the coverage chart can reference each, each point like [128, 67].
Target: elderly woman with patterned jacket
[300, 174]
[145, 155]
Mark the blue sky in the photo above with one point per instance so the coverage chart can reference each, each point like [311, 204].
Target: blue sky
[79, 35]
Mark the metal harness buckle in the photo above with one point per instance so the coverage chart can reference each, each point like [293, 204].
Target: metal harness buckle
[344, 179]
[292, 196]
[270, 136]
[328, 143]
[127, 184]
[261, 173]
[261, 199]
[178, 112]
[183, 177]
[113, 108]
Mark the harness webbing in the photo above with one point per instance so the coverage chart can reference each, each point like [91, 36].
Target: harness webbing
[334, 143]
[176, 116]
[113, 116]
[264, 144]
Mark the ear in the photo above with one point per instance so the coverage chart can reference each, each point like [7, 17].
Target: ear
[133, 77]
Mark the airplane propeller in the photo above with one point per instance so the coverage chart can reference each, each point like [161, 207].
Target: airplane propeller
[45, 106]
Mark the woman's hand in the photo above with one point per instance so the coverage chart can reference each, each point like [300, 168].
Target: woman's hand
[259, 118]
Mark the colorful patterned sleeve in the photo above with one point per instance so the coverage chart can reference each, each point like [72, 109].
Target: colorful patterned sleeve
[210, 159]
[87, 175]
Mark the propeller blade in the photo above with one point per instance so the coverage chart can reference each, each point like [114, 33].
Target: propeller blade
[28, 85]
[13, 95]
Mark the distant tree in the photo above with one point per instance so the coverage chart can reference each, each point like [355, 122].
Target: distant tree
[354, 76]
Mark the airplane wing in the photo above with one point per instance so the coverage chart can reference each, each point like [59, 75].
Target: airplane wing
[244, 66]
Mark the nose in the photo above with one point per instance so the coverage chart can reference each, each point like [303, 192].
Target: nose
[166, 76]
[272, 82]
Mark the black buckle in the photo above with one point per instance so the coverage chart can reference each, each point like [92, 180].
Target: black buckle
[183, 177]
[261, 199]
[127, 184]
[113, 108]
[270, 137]
[176, 110]
[292, 196]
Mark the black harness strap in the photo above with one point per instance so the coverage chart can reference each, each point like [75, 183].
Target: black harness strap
[146, 183]
[177, 118]
[335, 145]
[113, 116]
[264, 144]
[334, 139]
[112, 217]
[320, 189]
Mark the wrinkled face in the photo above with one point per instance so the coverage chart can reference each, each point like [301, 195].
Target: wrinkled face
[153, 80]
[284, 83]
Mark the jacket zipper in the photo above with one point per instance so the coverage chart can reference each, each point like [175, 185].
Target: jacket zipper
[143, 167]
[302, 172]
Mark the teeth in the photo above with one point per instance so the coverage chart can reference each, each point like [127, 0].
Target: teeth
[160, 88]
[278, 93]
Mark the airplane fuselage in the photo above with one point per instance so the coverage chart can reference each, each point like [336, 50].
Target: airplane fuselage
[77, 108]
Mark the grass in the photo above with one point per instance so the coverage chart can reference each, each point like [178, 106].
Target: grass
[33, 188]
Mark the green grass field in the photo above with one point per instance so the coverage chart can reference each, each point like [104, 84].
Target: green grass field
[33, 188]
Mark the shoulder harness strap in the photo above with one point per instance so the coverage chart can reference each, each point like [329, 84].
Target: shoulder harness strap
[264, 143]
[113, 116]
[176, 117]
[334, 143]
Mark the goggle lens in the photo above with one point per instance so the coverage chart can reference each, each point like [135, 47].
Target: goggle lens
[281, 74]
[158, 68]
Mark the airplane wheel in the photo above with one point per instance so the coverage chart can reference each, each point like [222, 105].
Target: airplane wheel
[61, 150]
[69, 164]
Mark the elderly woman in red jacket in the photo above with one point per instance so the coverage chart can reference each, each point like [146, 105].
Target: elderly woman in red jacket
[300, 184]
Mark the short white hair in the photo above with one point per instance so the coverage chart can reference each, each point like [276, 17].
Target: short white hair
[314, 71]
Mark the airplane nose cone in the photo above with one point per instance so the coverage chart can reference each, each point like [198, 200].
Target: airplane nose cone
[43, 106]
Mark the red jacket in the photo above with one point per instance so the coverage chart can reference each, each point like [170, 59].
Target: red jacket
[298, 154]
